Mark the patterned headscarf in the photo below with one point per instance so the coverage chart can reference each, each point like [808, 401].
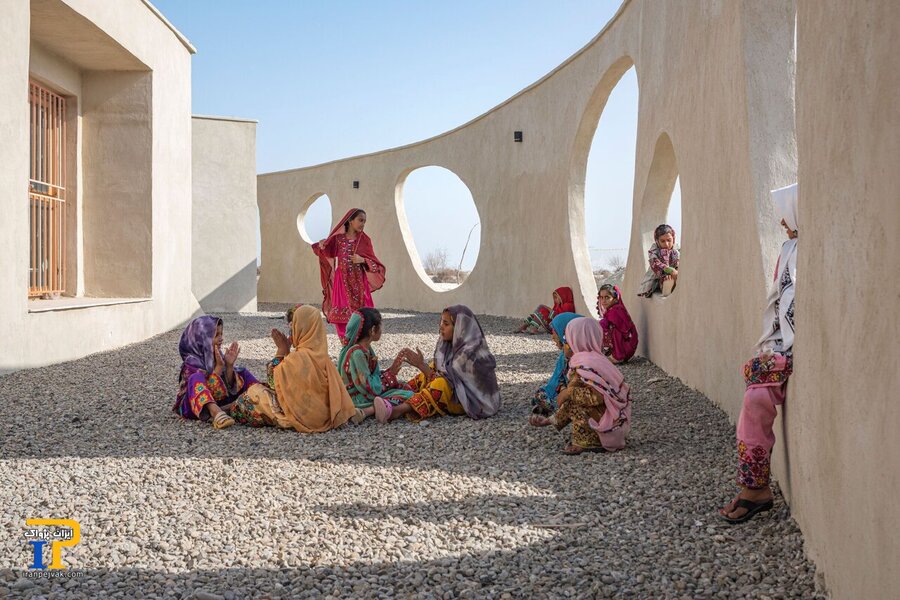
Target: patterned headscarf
[468, 364]
[195, 346]
[558, 324]
[586, 341]
[351, 335]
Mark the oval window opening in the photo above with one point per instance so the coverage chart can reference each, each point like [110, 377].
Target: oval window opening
[314, 220]
[609, 182]
[440, 226]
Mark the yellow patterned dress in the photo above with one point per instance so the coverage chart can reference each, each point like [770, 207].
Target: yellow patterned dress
[433, 397]
[580, 404]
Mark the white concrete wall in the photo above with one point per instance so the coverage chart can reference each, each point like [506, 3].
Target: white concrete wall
[717, 88]
[225, 223]
[843, 416]
[103, 44]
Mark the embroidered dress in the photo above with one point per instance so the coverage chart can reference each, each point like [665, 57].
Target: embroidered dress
[767, 374]
[544, 315]
[433, 397]
[364, 379]
[582, 405]
[350, 287]
[362, 376]
[347, 286]
[662, 263]
[598, 373]
[198, 384]
[544, 401]
[620, 336]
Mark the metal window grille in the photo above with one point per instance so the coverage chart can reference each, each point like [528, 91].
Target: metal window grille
[47, 192]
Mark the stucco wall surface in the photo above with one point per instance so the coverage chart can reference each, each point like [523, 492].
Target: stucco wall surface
[843, 416]
[717, 108]
[224, 213]
[115, 48]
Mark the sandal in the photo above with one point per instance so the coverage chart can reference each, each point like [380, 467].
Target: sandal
[539, 421]
[573, 450]
[752, 508]
[222, 421]
[359, 417]
[383, 410]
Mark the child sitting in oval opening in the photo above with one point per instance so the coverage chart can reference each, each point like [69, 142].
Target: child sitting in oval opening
[620, 336]
[663, 272]
[360, 372]
[539, 320]
[460, 379]
[208, 382]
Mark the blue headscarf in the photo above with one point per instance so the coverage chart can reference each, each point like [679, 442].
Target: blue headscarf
[558, 324]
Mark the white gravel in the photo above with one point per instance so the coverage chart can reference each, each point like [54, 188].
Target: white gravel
[446, 509]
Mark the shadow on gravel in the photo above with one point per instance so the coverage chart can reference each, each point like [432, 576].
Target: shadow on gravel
[582, 556]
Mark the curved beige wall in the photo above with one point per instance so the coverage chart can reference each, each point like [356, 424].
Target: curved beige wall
[716, 108]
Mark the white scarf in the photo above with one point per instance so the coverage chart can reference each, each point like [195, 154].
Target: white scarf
[778, 318]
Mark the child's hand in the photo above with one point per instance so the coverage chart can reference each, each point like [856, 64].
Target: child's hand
[231, 355]
[282, 342]
[322, 245]
[217, 355]
[357, 259]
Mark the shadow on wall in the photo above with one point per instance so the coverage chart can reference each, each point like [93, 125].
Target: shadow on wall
[237, 294]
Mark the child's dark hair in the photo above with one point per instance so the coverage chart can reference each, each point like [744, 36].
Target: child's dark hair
[355, 214]
[608, 287]
[289, 315]
[371, 319]
[663, 230]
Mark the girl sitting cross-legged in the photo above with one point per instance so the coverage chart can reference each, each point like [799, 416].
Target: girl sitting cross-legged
[597, 400]
[208, 381]
[304, 391]
[539, 320]
[460, 379]
[358, 365]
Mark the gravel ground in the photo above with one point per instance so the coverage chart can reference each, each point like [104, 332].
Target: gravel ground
[445, 509]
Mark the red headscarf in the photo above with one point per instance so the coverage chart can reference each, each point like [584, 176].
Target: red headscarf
[329, 252]
[567, 301]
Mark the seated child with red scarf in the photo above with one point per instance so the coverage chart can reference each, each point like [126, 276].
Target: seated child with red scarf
[539, 320]
[620, 336]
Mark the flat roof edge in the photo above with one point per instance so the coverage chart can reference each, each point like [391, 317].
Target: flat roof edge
[181, 37]
[216, 118]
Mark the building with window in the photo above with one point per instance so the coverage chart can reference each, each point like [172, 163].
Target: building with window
[96, 196]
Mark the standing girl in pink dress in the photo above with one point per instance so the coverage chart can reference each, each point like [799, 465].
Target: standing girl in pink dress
[349, 268]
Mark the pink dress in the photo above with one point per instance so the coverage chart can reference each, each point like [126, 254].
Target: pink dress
[350, 287]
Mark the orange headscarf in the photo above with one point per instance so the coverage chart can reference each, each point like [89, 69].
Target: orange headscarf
[309, 388]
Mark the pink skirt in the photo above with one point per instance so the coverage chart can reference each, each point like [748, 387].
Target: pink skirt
[341, 308]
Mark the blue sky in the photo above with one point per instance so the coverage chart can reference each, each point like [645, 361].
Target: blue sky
[332, 79]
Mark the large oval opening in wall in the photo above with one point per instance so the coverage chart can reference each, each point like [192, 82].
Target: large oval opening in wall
[314, 220]
[609, 183]
[440, 226]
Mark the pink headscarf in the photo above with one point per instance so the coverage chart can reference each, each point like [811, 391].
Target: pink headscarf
[586, 341]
